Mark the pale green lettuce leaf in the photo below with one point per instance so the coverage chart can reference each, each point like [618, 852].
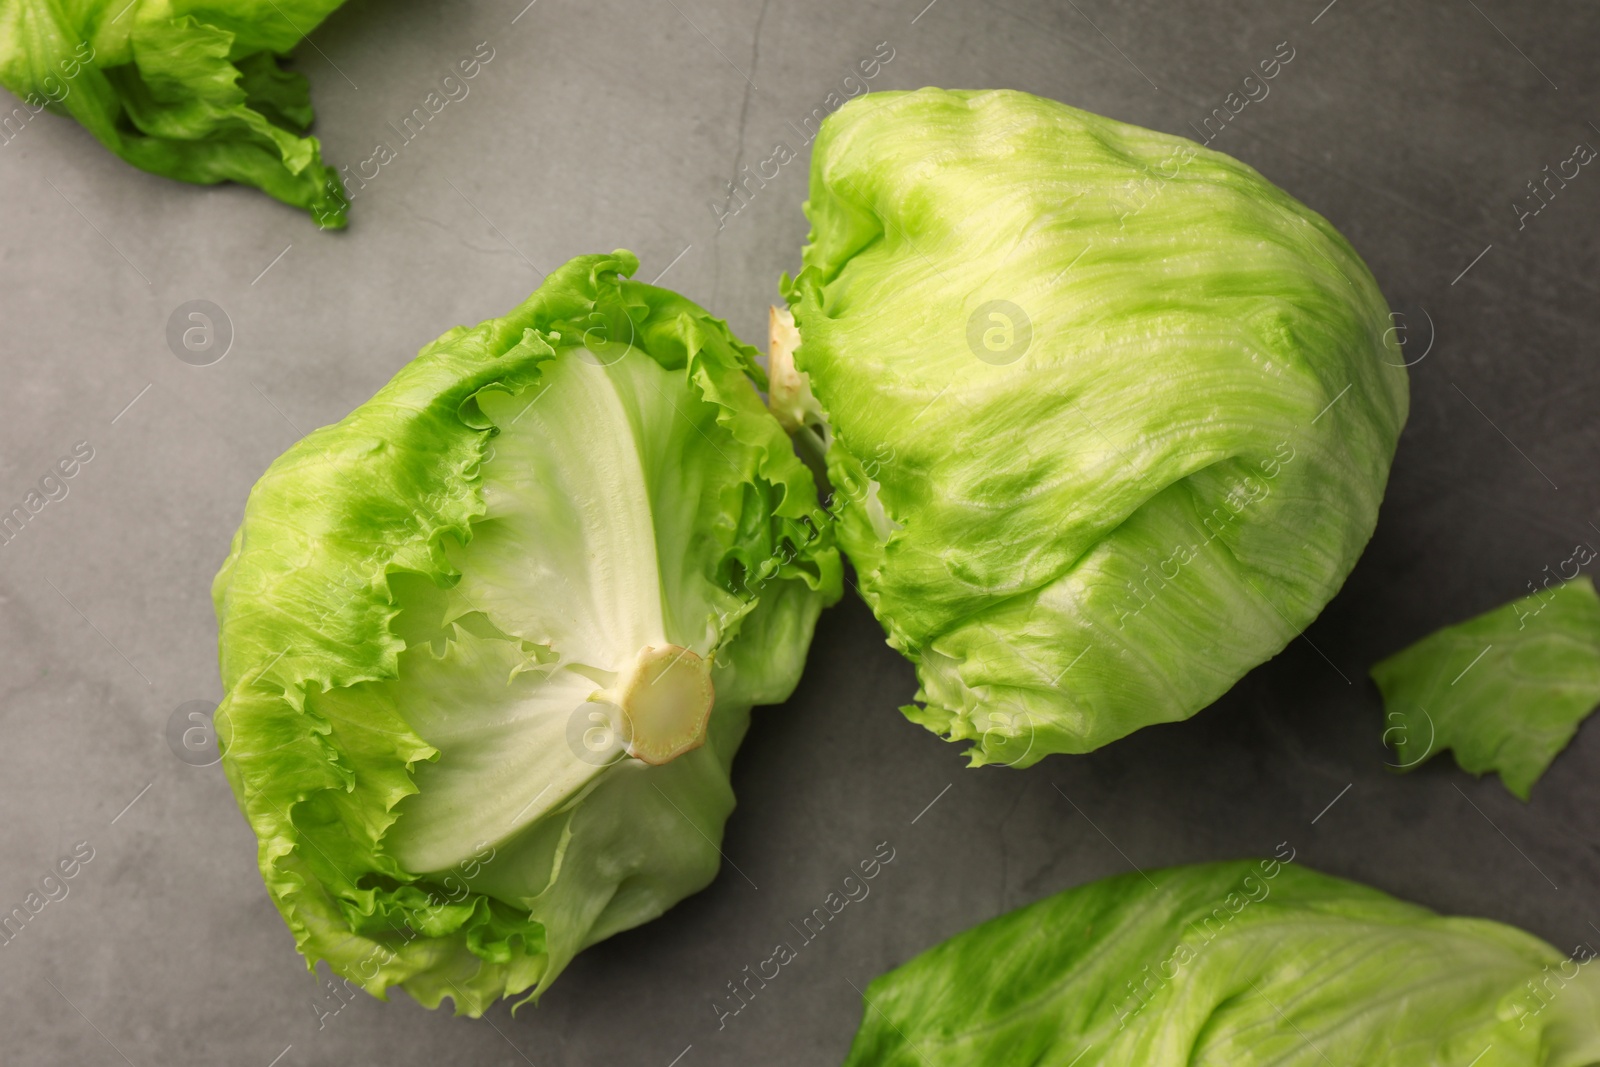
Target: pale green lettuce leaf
[1505, 691]
[190, 90]
[1234, 964]
[430, 607]
[1106, 526]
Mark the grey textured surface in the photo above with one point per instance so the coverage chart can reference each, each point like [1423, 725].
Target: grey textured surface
[1412, 126]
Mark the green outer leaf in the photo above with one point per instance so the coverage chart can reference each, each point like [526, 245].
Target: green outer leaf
[187, 90]
[1205, 375]
[314, 748]
[1505, 691]
[1241, 963]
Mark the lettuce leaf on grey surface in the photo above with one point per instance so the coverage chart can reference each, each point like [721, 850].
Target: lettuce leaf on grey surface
[1108, 414]
[1239, 964]
[188, 89]
[489, 643]
[1504, 691]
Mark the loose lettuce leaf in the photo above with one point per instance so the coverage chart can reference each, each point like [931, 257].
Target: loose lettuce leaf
[430, 608]
[1110, 413]
[1506, 690]
[1234, 964]
[189, 89]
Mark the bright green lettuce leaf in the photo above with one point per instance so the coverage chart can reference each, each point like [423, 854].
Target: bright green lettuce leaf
[1234, 964]
[1505, 691]
[471, 635]
[189, 89]
[1110, 413]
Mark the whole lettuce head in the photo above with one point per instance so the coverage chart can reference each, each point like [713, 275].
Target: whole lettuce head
[489, 643]
[1108, 414]
[1239, 964]
[189, 89]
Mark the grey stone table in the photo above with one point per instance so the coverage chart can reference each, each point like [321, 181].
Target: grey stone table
[1414, 127]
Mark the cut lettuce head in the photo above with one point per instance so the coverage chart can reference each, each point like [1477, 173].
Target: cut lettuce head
[1242, 964]
[1505, 691]
[1107, 414]
[189, 89]
[489, 643]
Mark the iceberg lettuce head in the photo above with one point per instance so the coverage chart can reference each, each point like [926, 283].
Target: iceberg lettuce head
[489, 644]
[1108, 415]
[1243, 964]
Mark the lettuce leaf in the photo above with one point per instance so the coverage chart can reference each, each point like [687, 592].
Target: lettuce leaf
[189, 89]
[1239, 964]
[1109, 412]
[471, 635]
[1505, 691]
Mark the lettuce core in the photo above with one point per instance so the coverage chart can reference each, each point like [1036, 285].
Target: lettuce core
[666, 704]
